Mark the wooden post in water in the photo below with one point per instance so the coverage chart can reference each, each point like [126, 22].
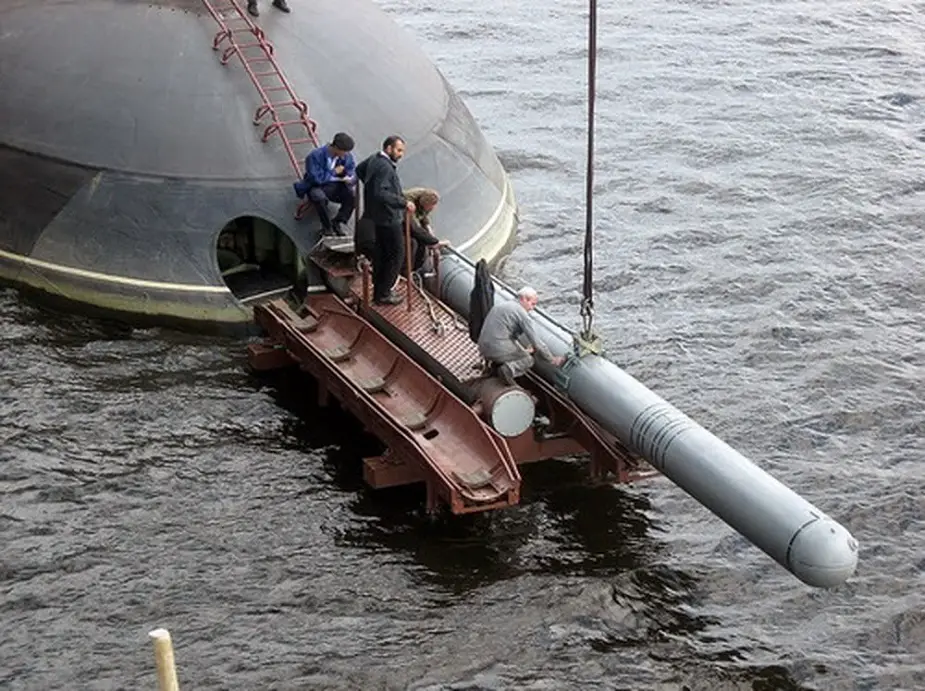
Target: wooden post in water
[163, 656]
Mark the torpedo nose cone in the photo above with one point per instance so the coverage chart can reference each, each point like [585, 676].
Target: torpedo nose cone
[823, 554]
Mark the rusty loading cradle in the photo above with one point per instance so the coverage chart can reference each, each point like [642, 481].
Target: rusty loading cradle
[421, 392]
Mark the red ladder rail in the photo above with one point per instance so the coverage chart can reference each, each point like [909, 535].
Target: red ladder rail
[254, 49]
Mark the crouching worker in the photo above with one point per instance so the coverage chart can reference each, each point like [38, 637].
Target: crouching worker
[425, 200]
[330, 176]
[506, 324]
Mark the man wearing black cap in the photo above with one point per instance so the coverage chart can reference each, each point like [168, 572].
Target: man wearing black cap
[278, 4]
[330, 176]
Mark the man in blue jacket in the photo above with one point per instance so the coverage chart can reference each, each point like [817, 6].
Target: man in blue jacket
[330, 176]
[385, 205]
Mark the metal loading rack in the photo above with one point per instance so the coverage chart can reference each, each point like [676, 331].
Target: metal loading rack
[462, 460]
[421, 391]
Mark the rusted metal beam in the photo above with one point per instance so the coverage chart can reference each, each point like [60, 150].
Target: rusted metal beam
[267, 356]
[470, 467]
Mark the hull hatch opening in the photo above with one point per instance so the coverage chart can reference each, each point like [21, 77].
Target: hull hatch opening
[257, 260]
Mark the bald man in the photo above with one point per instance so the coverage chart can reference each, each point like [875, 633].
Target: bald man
[505, 326]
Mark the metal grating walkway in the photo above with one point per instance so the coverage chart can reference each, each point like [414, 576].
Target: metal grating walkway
[449, 343]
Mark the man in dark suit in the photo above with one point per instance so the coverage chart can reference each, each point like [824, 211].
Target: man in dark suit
[385, 205]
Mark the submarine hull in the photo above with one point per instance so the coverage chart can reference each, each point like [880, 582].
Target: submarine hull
[126, 146]
[797, 535]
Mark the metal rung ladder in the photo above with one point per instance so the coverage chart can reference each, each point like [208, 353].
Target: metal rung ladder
[239, 36]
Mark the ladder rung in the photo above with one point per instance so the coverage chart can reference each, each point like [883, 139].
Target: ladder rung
[263, 55]
[268, 74]
[284, 123]
[305, 324]
[475, 479]
[302, 140]
[274, 88]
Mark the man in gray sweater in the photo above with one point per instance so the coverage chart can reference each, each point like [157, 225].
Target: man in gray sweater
[506, 324]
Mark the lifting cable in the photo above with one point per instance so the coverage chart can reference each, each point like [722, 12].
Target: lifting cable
[588, 341]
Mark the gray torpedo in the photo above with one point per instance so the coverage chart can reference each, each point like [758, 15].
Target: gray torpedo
[133, 181]
[798, 536]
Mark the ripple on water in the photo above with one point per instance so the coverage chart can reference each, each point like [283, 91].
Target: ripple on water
[757, 263]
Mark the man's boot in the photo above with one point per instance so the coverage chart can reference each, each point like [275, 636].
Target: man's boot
[252, 8]
[281, 6]
[506, 372]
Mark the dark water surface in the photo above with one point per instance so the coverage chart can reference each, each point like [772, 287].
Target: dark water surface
[760, 264]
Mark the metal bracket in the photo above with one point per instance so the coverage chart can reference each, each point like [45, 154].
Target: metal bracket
[562, 374]
[587, 343]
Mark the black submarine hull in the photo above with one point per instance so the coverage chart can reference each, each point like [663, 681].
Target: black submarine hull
[125, 147]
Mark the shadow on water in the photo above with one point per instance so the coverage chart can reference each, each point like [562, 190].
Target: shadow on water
[593, 527]
[651, 606]
[316, 427]
[564, 526]
[566, 523]
[754, 677]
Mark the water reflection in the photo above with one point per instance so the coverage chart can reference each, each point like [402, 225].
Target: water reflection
[312, 427]
[566, 524]
[27, 322]
[592, 527]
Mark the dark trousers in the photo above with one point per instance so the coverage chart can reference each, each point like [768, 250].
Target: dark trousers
[337, 192]
[419, 255]
[418, 248]
[364, 238]
[387, 258]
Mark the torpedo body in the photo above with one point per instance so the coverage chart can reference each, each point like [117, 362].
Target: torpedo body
[793, 532]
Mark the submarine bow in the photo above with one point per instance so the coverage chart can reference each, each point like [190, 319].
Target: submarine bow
[126, 146]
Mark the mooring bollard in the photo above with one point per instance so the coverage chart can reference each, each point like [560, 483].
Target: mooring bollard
[163, 656]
